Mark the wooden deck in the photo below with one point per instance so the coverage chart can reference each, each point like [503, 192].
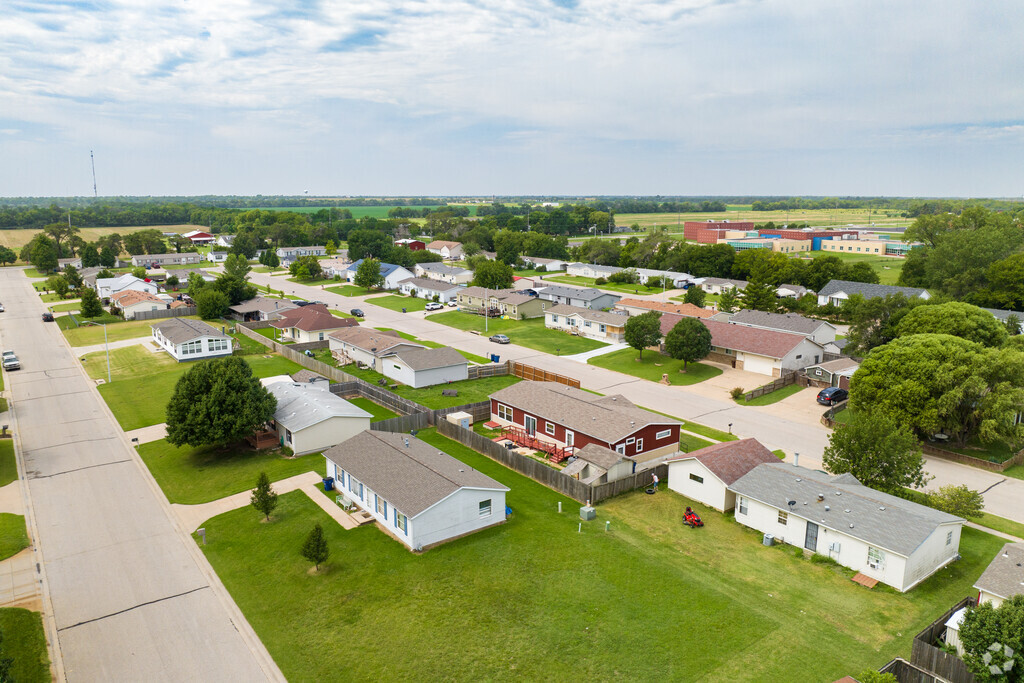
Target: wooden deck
[519, 436]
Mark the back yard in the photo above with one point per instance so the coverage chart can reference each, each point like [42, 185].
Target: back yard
[620, 288]
[529, 333]
[534, 599]
[118, 329]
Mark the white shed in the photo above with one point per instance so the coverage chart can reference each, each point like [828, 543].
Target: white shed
[310, 418]
[425, 367]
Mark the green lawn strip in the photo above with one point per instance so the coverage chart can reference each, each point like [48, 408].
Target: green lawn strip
[352, 290]
[529, 333]
[718, 580]
[341, 314]
[51, 297]
[405, 335]
[265, 269]
[313, 283]
[25, 642]
[117, 330]
[689, 442]
[1015, 471]
[772, 397]
[620, 288]
[1, 381]
[709, 432]
[378, 411]
[653, 365]
[13, 537]
[3, 405]
[8, 464]
[61, 308]
[397, 303]
[191, 476]
[34, 272]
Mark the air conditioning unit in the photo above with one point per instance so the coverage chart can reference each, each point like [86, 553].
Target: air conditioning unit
[873, 565]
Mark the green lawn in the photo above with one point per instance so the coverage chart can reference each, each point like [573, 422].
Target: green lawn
[249, 346]
[529, 333]
[317, 282]
[34, 272]
[1007, 526]
[341, 314]
[117, 330]
[352, 290]
[653, 365]
[772, 397]
[49, 298]
[535, 599]
[609, 286]
[397, 303]
[25, 642]
[265, 269]
[60, 308]
[378, 411]
[13, 537]
[199, 475]
[8, 464]
[887, 267]
[689, 442]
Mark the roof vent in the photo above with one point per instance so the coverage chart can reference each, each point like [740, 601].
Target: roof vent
[882, 508]
[839, 493]
[846, 510]
[798, 479]
[407, 443]
[851, 526]
[821, 497]
[805, 502]
[827, 508]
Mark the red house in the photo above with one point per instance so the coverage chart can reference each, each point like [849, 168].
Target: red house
[572, 418]
[413, 245]
[199, 237]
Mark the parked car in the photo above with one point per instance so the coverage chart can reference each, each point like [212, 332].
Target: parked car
[434, 306]
[10, 361]
[47, 317]
[358, 312]
[453, 303]
[1, 308]
[832, 396]
[500, 339]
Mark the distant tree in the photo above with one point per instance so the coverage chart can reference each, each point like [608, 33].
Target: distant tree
[90, 306]
[43, 255]
[59, 285]
[879, 451]
[986, 626]
[468, 249]
[263, 497]
[108, 257]
[234, 289]
[728, 302]
[643, 331]
[1012, 324]
[237, 266]
[759, 294]
[7, 255]
[196, 284]
[493, 275]
[955, 318]
[957, 500]
[368, 274]
[367, 244]
[689, 341]
[695, 295]
[179, 242]
[270, 259]
[172, 282]
[104, 274]
[139, 272]
[211, 303]
[315, 547]
[331, 248]
[306, 268]
[217, 402]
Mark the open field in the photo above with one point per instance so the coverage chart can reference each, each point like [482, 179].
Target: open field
[396, 302]
[529, 333]
[18, 237]
[25, 642]
[537, 600]
[653, 365]
[817, 217]
[887, 267]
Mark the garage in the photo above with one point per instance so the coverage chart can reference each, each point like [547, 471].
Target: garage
[759, 364]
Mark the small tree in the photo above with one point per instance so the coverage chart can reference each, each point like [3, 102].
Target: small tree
[985, 627]
[1012, 322]
[91, 307]
[882, 453]
[315, 548]
[211, 303]
[957, 500]
[173, 282]
[331, 248]
[368, 274]
[264, 498]
[695, 295]
[689, 341]
[139, 272]
[59, 285]
[728, 302]
[643, 331]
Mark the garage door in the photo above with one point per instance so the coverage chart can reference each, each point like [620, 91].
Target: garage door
[759, 364]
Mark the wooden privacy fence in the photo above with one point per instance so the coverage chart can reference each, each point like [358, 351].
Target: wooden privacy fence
[828, 418]
[492, 370]
[402, 423]
[926, 655]
[480, 411]
[905, 672]
[529, 372]
[165, 313]
[379, 395]
[784, 381]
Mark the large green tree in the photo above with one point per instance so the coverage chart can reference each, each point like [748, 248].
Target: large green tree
[237, 266]
[986, 626]
[728, 302]
[217, 402]
[695, 295]
[879, 451]
[955, 318]
[689, 340]
[211, 303]
[7, 255]
[368, 274]
[43, 254]
[643, 331]
[875, 322]
[90, 306]
[493, 275]
[759, 294]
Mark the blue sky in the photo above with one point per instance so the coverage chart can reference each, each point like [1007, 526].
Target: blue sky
[503, 97]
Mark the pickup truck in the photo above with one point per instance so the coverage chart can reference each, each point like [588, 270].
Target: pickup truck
[11, 361]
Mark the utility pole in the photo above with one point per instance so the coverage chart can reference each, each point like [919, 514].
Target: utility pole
[92, 161]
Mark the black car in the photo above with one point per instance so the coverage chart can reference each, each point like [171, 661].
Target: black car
[358, 312]
[832, 396]
[47, 317]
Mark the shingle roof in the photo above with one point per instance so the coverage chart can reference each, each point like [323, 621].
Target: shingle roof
[434, 267]
[385, 268]
[440, 244]
[599, 455]
[786, 322]
[313, 318]
[608, 418]
[768, 343]
[304, 405]
[730, 460]
[885, 521]
[412, 478]
[370, 340]
[181, 330]
[262, 304]
[304, 375]
[739, 284]
[427, 283]
[838, 365]
[429, 359]
[515, 298]
[1003, 315]
[130, 297]
[617, 319]
[867, 290]
[586, 294]
[684, 309]
[480, 292]
[1004, 576]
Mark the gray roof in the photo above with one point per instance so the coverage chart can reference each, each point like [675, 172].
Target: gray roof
[590, 314]
[586, 294]
[429, 359]
[882, 520]
[786, 322]
[1004, 576]
[799, 290]
[599, 455]
[181, 330]
[262, 304]
[304, 405]
[435, 267]
[598, 268]
[308, 376]
[376, 342]
[868, 291]
[412, 478]
[427, 283]
[838, 365]
[608, 418]
[1003, 315]
[739, 284]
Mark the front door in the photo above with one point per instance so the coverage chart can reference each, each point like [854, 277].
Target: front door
[530, 424]
[811, 538]
[570, 438]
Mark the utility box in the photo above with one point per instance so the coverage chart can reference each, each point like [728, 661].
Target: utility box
[768, 540]
[464, 420]
[588, 513]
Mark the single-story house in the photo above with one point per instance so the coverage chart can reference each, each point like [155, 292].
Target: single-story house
[450, 251]
[160, 260]
[185, 273]
[705, 475]
[425, 367]
[833, 373]
[594, 464]
[225, 241]
[366, 345]
[188, 339]
[74, 261]
[425, 288]
[837, 346]
[260, 308]
[791, 291]
[444, 273]
[392, 274]
[838, 291]
[572, 418]
[420, 495]
[641, 306]
[199, 237]
[411, 244]
[508, 302]
[309, 418]
[584, 297]
[292, 253]
[1004, 576]
[551, 265]
[217, 256]
[335, 267]
[816, 330]
[131, 301]
[892, 540]
[106, 287]
[591, 270]
[766, 352]
[717, 285]
[674, 277]
[309, 323]
[586, 323]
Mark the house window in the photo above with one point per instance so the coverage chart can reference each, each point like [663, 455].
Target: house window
[382, 505]
[783, 517]
[321, 336]
[355, 486]
[554, 318]
[741, 502]
[639, 445]
[288, 436]
[218, 344]
[876, 558]
[663, 434]
[697, 478]
[396, 367]
[192, 347]
[949, 537]
[401, 522]
[602, 328]
[504, 412]
[630, 440]
[549, 428]
[485, 508]
[341, 476]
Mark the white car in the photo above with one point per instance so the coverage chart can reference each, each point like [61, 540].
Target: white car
[10, 361]
[453, 303]
[434, 306]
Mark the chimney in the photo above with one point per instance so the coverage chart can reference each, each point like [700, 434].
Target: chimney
[796, 460]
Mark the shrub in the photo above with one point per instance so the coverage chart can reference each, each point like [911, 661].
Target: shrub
[600, 281]
[737, 393]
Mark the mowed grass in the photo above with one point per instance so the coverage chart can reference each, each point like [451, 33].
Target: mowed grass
[534, 599]
[378, 411]
[631, 290]
[143, 381]
[61, 308]
[13, 536]
[887, 267]
[352, 290]
[652, 365]
[191, 476]
[673, 222]
[118, 329]
[772, 397]
[529, 333]
[25, 642]
[8, 464]
[397, 303]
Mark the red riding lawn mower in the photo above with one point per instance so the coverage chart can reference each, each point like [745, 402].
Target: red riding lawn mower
[692, 519]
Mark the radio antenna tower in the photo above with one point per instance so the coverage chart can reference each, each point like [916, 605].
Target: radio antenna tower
[92, 161]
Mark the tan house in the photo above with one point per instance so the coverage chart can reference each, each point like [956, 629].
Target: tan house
[641, 306]
[131, 301]
[309, 323]
[504, 301]
[367, 346]
[450, 251]
[584, 322]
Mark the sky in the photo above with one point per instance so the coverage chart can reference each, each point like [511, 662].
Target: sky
[512, 97]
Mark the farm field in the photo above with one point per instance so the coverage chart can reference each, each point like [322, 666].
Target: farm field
[815, 218]
[16, 238]
[357, 211]
[527, 607]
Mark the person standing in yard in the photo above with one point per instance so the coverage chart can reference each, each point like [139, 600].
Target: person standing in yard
[654, 477]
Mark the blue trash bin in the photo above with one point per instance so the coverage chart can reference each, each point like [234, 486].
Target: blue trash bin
[329, 484]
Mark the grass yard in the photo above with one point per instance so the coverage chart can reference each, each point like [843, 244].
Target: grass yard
[316, 282]
[341, 314]
[887, 267]
[118, 329]
[13, 537]
[689, 443]
[61, 308]
[352, 290]
[249, 346]
[378, 411]
[653, 365]
[199, 475]
[50, 298]
[25, 642]
[529, 333]
[34, 272]
[772, 397]
[8, 464]
[537, 600]
[397, 303]
[631, 290]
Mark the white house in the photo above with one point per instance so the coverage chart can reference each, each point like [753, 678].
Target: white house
[766, 352]
[108, 286]
[444, 273]
[583, 297]
[160, 260]
[838, 291]
[188, 339]
[309, 323]
[367, 346]
[418, 494]
[425, 288]
[225, 241]
[309, 418]
[392, 274]
[292, 253]
[450, 251]
[261, 308]
[584, 322]
[889, 539]
[335, 266]
[816, 330]
[791, 291]
[705, 475]
[591, 270]
[131, 302]
[217, 256]
[1004, 576]
[551, 265]
[717, 285]
[425, 367]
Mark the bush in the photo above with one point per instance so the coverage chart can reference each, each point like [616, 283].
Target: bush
[600, 281]
[737, 393]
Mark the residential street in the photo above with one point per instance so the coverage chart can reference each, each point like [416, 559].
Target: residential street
[794, 430]
[126, 591]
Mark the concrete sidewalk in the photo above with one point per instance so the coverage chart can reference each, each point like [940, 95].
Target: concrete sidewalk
[1000, 534]
[147, 434]
[19, 582]
[82, 350]
[10, 499]
[609, 348]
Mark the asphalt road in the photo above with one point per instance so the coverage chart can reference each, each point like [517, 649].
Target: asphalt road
[130, 596]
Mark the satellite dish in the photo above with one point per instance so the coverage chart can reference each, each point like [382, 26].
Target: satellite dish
[792, 502]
